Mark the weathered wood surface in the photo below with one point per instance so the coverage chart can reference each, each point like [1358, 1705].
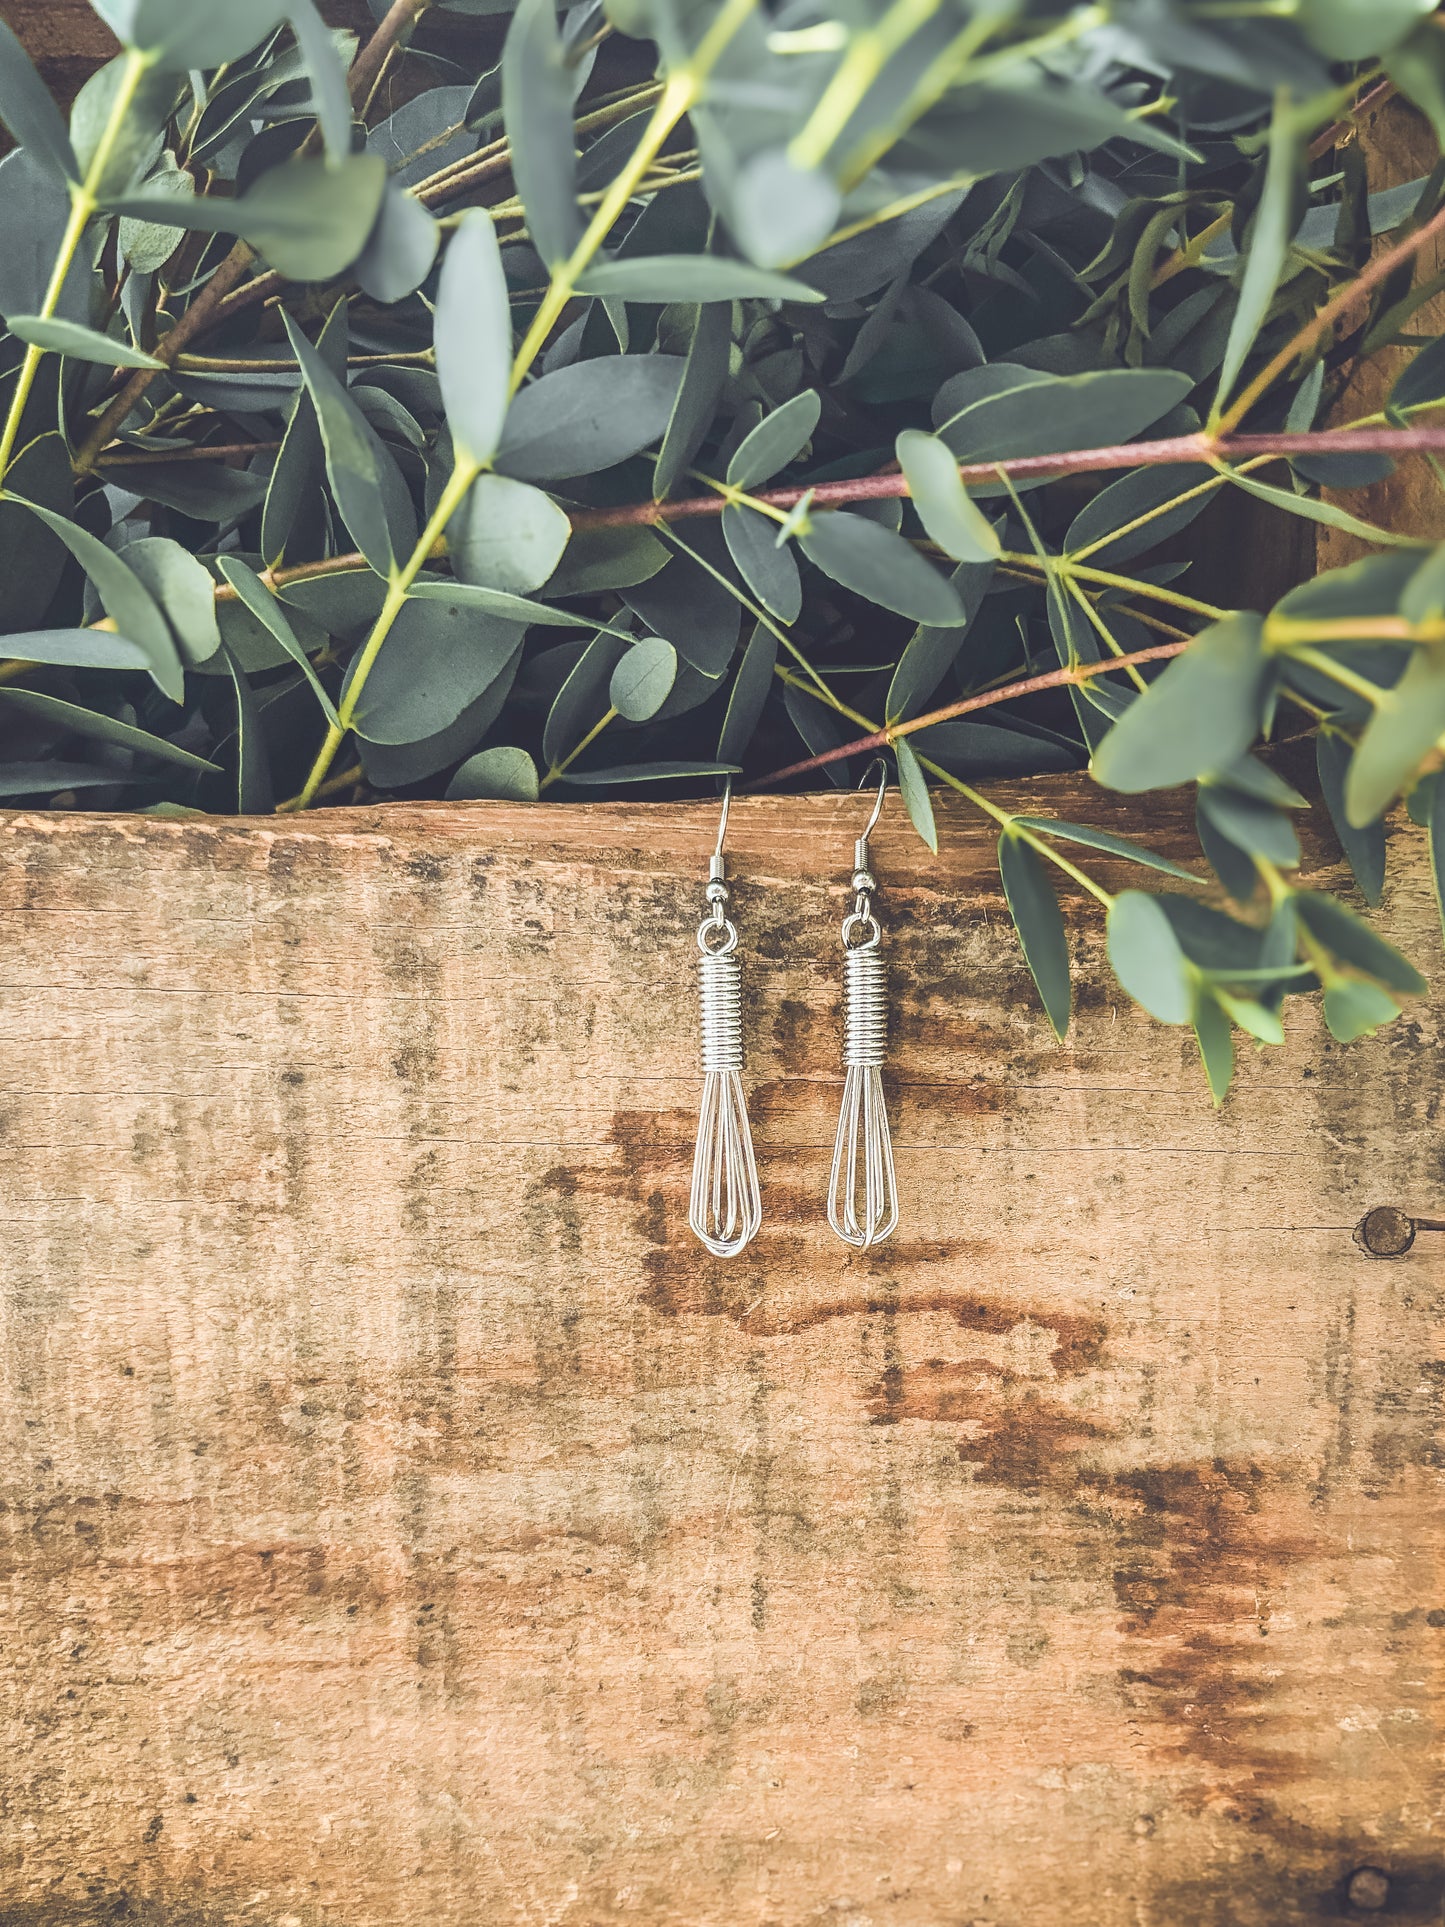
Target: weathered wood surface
[405, 1522]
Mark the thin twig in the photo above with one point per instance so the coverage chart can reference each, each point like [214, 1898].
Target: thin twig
[1031, 685]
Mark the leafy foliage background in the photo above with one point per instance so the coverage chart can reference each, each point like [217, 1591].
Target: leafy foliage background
[699, 387]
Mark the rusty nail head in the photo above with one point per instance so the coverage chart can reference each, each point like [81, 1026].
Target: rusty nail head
[1368, 1889]
[1386, 1231]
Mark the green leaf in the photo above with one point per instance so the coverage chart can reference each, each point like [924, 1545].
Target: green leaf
[1364, 847]
[913, 785]
[474, 337]
[537, 109]
[439, 658]
[1408, 722]
[32, 560]
[254, 793]
[268, 611]
[780, 212]
[1147, 959]
[1250, 825]
[777, 439]
[1142, 492]
[583, 699]
[956, 524]
[646, 773]
[1105, 840]
[101, 729]
[642, 681]
[1417, 67]
[295, 517]
[502, 775]
[751, 688]
[401, 250]
[1437, 839]
[882, 567]
[77, 648]
[148, 245]
[1354, 943]
[1055, 414]
[1250, 1016]
[357, 464]
[81, 344]
[329, 89]
[1312, 510]
[1215, 1037]
[931, 652]
[28, 110]
[1034, 907]
[1354, 1010]
[770, 573]
[310, 219]
[1353, 30]
[1269, 238]
[45, 779]
[181, 34]
[124, 597]
[498, 602]
[689, 277]
[184, 590]
[1203, 711]
[697, 396]
[589, 416]
[507, 535]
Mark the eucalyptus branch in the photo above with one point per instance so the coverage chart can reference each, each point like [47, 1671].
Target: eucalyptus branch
[1235, 450]
[207, 306]
[680, 93]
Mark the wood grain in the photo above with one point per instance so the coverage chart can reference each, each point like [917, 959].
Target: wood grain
[405, 1522]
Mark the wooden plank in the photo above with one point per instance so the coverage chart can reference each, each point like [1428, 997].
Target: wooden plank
[405, 1522]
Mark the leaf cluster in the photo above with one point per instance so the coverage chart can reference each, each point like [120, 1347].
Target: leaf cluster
[644, 391]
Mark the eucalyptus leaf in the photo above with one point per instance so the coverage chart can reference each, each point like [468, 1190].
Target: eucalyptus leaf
[268, 611]
[28, 111]
[955, 523]
[474, 337]
[1147, 958]
[97, 727]
[505, 775]
[779, 438]
[690, 277]
[1202, 712]
[537, 105]
[1363, 845]
[82, 344]
[123, 595]
[770, 572]
[507, 535]
[875, 563]
[589, 417]
[642, 681]
[1034, 907]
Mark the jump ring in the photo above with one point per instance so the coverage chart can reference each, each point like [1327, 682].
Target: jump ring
[714, 926]
[862, 921]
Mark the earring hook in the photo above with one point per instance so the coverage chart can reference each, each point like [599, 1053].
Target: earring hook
[878, 763]
[722, 828]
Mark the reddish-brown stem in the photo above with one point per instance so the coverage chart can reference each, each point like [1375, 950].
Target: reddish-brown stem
[1349, 297]
[987, 699]
[1375, 96]
[1176, 448]
[155, 457]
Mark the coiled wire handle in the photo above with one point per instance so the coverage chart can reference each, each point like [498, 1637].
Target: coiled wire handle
[863, 1189]
[726, 1206]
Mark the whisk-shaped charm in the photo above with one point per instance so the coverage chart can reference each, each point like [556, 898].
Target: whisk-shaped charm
[726, 1205]
[863, 1190]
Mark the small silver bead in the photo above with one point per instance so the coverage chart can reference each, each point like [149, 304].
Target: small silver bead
[717, 893]
[863, 882]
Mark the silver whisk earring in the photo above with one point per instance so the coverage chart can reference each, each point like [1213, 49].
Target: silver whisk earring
[726, 1208]
[863, 1191]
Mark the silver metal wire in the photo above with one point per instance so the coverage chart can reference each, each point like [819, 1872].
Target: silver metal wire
[863, 1189]
[726, 1205]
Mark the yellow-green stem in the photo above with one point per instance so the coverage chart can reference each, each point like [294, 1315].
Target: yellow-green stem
[84, 200]
[453, 495]
[561, 769]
